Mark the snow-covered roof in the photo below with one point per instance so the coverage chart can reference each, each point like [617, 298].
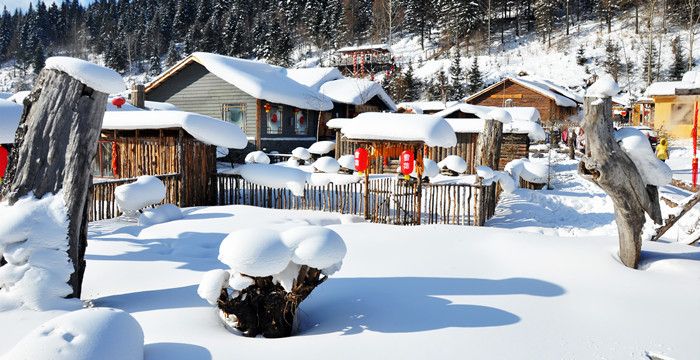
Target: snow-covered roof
[257, 79]
[432, 130]
[554, 87]
[561, 96]
[662, 88]
[421, 106]
[314, 77]
[475, 126]
[10, 114]
[19, 97]
[517, 113]
[150, 105]
[365, 47]
[337, 123]
[356, 91]
[203, 128]
[98, 77]
[4, 95]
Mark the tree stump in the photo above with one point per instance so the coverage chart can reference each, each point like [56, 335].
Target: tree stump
[56, 142]
[607, 165]
[488, 153]
[572, 145]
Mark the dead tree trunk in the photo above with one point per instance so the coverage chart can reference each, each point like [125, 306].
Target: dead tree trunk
[571, 140]
[55, 144]
[609, 167]
[488, 152]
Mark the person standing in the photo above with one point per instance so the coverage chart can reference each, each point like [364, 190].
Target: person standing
[662, 150]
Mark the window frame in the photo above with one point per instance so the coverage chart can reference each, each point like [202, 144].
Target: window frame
[242, 107]
[280, 120]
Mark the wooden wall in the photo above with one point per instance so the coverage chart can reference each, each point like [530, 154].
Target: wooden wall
[514, 146]
[465, 148]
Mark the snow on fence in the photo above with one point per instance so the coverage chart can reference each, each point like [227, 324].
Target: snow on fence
[390, 201]
[103, 204]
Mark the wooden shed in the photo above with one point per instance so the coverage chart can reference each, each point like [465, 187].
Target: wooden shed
[555, 103]
[363, 60]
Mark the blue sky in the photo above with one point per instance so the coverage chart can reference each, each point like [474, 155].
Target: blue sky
[24, 4]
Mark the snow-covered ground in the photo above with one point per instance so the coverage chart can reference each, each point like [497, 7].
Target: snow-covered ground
[680, 159]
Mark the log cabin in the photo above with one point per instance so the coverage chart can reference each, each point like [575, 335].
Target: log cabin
[555, 103]
[364, 60]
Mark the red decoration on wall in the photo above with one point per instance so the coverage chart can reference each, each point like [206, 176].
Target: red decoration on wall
[267, 107]
[361, 159]
[407, 162]
[274, 118]
[623, 113]
[301, 120]
[115, 159]
[118, 102]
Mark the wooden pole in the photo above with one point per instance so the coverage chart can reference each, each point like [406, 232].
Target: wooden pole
[56, 144]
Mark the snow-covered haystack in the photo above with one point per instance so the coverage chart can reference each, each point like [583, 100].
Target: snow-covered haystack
[347, 163]
[278, 177]
[636, 145]
[270, 274]
[34, 241]
[257, 157]
[326, 164]
[453, 164]
[532, 172]
[605, 86]
[322, 147]
[159, 215]
[145, 191]
[87, 334]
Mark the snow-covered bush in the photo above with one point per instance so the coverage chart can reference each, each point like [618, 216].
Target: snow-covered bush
[326, 164]
[145, 191]
[322, 147]
[278, 177]
[271, 270]
[636, 145]
[159, 215]
[453, 163]
[87, 334]
[347, 163]
[34, 241]
[257, 157]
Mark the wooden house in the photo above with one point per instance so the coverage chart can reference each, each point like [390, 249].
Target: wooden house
[674, 105]
[364, 60]
[275, 112]
[555, 103]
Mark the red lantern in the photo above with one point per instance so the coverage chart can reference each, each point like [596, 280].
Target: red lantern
[118, 102]
[115, 159]
[623, 113]
[361, 159]
[301, 120]
[407, 162]
[268, 107]
[274, 118]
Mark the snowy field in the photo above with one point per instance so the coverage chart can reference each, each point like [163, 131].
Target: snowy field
[680, 159]
[414, 292]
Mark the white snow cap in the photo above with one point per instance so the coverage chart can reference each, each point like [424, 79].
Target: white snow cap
[301, 153]
[314, 77]
[347, 161]
[327, 165]
[501, 115]
[315, 246]
[98, 77]
[34, 241]
[454, 163]
[203, 128]
[533, 172]
[605, 86]
[239, 282]
[356, 92]
[322, 147]
[10, 114]
[145, 191]
[257, 157]
[255, 252]
[506, 181]
[485, 172]
[161, 214]
[636, 145]
[430, 168]
[432, 130]
[278, 177]
[212, 282]
[87, 334]
[337, 123]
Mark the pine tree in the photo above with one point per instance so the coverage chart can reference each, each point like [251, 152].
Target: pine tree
[612, 63]
[154, 68]
[173, 55]
[544, 19]
[38, 59]
[438, 88]
[412, 85]
[456, 77]
[581, 56]
[680, 61]
[650, 66]
[475, 81]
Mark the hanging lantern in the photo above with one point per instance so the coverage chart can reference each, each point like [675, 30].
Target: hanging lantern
[361, 159]
[118, 102]
[267, 107]
[623, 113]
[301, 120]
[407, 162]
[274, 118]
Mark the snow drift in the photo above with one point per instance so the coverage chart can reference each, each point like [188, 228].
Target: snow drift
[145, 191]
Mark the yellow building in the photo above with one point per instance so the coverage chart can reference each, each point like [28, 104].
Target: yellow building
[674, 106]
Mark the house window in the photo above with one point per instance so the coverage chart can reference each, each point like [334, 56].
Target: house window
[235, 114]
[274, 120]
[102, 165]
[301, 122]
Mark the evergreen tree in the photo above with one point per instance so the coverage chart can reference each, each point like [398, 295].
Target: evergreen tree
[38, 59]
[544, 18]
[475, 81]
[438, 88]
[173, 55]
[612, 63]
[581, 56]
[650, 66]
[154, 68]
[456, 77]
[680, 61]
[412, 85]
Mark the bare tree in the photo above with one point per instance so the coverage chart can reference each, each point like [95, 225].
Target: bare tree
[693, 19]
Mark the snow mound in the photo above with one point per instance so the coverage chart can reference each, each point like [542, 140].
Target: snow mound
[347, 162]
[87, 334]
[454, 163]
[501, 115]
[278, 177]
[485, 172]
[506, 181]
[257, 157]
[533, 130]
[323, 179]
[430, 168]
[605, 86]
[327, 165]
[145, 191]
[301, 153]
[95, 76]
[255, 252]
[159, 215]
[533, 172]
[432, 130]
[636, 145]
[212, 282]
[322, 147]
[33, 241]
[10, 114]
[315, 246]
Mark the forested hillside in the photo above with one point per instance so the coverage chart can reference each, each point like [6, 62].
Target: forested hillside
[144, 36]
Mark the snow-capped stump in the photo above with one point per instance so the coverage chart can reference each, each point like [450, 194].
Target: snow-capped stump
[301, 153]
[326, 164]
[531, 175]
[636, 145]
[87, 334]
[257, 157]
[271, 273]
[500, 115]
[485, 172]
[605, 86]
[145, 191]
[453, 165]
[161, 214]
[322, 147]
[347, 164]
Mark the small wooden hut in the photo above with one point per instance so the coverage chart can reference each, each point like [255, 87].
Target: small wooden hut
[364, 60]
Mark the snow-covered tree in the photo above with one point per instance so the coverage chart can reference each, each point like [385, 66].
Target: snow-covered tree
[457, 90]
[475, 81]
[680, 62]
[581, 58]
[612, 63]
